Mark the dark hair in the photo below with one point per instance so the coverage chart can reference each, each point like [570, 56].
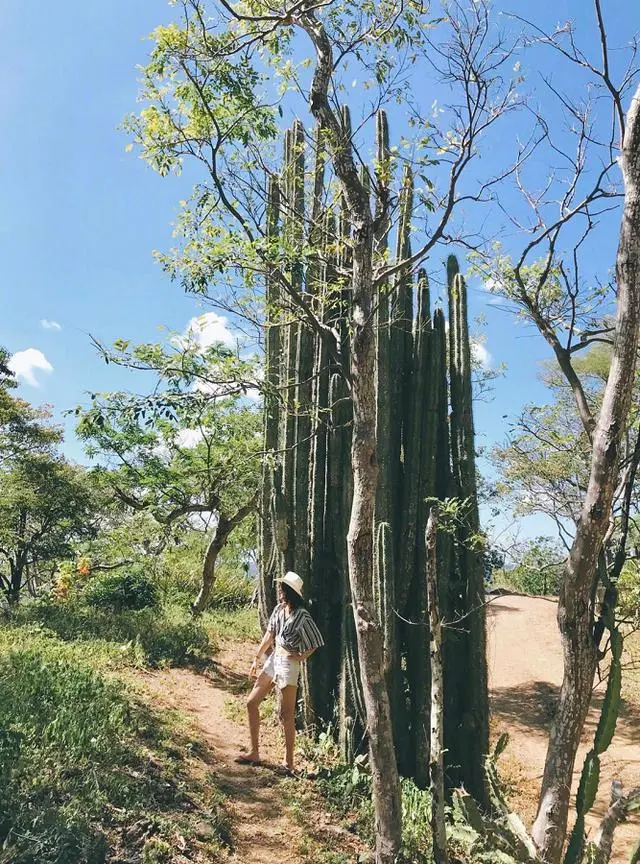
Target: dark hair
[291, 597]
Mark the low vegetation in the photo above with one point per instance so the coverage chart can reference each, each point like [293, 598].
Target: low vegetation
[88, 771]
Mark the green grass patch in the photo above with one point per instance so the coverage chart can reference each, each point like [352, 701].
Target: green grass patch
[89, 774]
[146, 636]
[241, 623]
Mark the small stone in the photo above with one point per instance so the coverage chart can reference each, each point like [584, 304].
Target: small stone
[204, 831]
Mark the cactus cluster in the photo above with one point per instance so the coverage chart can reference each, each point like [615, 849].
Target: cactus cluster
[425, 449]
[496, 836]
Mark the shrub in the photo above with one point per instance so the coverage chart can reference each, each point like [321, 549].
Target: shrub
[118, 591]
[232, 589]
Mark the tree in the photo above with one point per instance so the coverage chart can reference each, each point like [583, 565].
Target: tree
[549, 287]
[211, 95]
[545, 463]
[537, 566]
[46, 503]
[181, 453]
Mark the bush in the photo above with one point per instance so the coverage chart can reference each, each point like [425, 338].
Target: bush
[119, 591]
[232, 589]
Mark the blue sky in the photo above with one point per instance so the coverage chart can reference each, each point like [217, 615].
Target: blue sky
[80, 217]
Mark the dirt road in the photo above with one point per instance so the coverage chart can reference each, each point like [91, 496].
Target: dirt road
[525, 671]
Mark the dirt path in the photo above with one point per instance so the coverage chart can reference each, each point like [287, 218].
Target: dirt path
[264, 829]
[525, 671]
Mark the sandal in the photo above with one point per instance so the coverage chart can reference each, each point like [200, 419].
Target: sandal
[284, 771]
[247, 760]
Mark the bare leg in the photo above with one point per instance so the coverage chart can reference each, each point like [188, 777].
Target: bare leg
[288, 720]
[263, 684]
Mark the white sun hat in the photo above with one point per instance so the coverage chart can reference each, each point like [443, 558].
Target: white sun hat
[293, 581]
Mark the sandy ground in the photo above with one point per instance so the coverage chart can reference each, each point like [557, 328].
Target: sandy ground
[525, 671]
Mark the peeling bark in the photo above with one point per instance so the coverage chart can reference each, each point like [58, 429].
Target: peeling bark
[436, 748]
[362, 377]
[575, 607]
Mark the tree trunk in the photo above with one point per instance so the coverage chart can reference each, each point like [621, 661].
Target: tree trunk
[385, 780]
[616, 813]
[386, 791]
[16, 569]
[436, 743]
[218, 541]
[575, 609]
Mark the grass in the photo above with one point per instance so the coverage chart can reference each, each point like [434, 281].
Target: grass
[143, 637]
[240, 624]
[88, 772]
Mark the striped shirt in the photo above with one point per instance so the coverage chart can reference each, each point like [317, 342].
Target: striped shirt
[297, 632]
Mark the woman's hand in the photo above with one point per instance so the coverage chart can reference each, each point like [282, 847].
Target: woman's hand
[253, 671]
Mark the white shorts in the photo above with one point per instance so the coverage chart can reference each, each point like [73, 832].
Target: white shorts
[282, 670]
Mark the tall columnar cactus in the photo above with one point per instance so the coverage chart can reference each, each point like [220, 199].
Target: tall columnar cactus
[290, 234]
[273, 346]
[400, 339]
[416, 429]
[308, 494]
[311, 436]
[474, 738]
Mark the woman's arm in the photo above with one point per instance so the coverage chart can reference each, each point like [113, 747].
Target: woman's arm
[267, 642]
[302, 656]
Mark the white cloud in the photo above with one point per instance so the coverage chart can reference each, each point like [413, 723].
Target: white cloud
[24, 364]
[207, 330]
[481, 355]
[46, 324]
[496, 289]
[188, 437]
[492, 285]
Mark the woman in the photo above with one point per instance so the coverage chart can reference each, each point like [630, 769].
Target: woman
[296, 637]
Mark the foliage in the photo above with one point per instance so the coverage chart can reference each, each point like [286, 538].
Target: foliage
[131, 589]
[629, 593]
[189, 454]
[201, 458]
[85, 770]
[179, 569]
[537, 569]
[545, 463]
[46, 504]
